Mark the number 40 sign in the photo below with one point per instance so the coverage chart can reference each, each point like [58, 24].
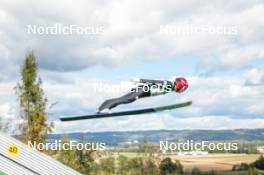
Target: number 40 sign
[12, 149]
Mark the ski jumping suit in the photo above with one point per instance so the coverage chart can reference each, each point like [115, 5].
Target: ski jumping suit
[145, 88]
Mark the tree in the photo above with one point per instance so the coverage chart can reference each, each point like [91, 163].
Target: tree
[67, 156]
[123, 164]
[151, 168]
[260, 163]
[137, 165]
[84, 157]
[32, 102]
[108, 165]
[80, 160]
[252, 171]
[196, 171]
[167, 167]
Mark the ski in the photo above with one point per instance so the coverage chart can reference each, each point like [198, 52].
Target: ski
[130, 112]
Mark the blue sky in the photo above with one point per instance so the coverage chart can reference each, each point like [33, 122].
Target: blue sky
[225, 70]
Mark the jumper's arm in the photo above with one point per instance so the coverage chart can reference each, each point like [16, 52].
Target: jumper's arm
[152, 81]
[156, 82]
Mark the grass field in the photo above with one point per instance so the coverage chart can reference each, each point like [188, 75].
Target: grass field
[215, 161]
[131, 154]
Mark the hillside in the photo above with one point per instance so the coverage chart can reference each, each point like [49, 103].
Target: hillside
[113, 138]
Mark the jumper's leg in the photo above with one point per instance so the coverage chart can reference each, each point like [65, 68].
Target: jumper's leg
[128, 98]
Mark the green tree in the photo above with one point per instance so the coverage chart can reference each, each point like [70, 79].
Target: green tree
[168, 167]
[196, 171]
[67, 156]
[150, 167]
[32, 101]
[84, 157]
[260, 163]
[136, 166]
[123, 163]
[80, 160]
[252, 171]
[108, 165]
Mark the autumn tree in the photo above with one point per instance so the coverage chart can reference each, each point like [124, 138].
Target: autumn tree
[32, 101]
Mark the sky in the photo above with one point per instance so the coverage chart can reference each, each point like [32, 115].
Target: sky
[217, 45]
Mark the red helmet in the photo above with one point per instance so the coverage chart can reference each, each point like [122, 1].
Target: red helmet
[181, 84]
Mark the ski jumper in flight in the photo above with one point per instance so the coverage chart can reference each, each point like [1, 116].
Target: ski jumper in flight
[145, 88]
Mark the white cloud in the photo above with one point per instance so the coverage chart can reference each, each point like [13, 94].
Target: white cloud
[255, 77]
[132, 31]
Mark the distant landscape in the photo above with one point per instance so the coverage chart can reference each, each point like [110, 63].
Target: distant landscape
[114, 138]
[143, 145]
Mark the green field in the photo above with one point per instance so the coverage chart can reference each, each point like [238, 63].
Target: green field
[131, 154]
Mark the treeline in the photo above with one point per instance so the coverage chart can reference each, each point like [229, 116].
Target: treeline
[248, 147]
[251, 168]
[95, 162]
[244, 147]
